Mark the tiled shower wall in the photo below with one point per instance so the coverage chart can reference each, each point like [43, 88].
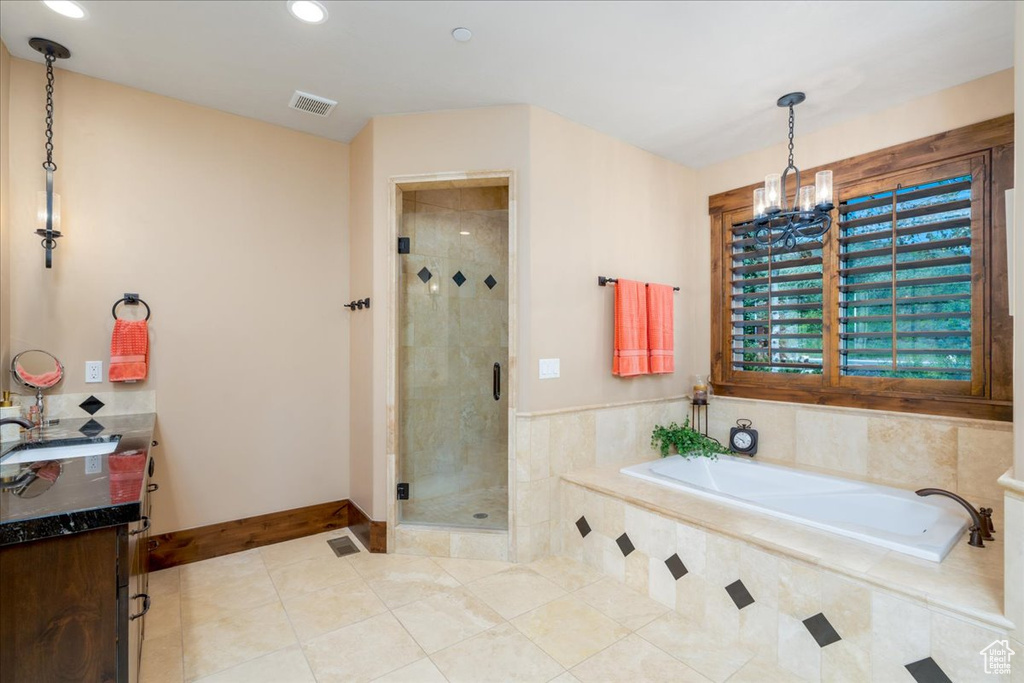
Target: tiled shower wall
[898, 449]
[454, 327]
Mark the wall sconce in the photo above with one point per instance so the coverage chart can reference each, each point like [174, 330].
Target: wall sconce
[49, 203]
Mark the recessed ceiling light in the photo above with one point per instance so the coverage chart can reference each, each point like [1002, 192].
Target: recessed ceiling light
[68, 8]
[309, 11]
[462, 34]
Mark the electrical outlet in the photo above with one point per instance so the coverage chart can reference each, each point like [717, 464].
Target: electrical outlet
[93, 464]
[93, 371]
[550, 368]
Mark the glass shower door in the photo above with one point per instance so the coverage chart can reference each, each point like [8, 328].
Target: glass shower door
[453, 358]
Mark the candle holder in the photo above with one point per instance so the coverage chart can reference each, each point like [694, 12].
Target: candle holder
[699, 416]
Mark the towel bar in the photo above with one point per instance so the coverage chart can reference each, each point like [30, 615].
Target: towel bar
[603, 281]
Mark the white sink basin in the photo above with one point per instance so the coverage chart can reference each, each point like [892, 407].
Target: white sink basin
[61, 449]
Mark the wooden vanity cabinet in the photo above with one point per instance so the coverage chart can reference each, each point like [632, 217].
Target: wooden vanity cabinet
[72, 607]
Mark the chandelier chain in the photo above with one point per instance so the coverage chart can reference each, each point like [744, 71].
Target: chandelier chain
[48, 164]
[791, 120]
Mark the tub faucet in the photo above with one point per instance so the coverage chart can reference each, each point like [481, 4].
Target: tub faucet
[979, 527]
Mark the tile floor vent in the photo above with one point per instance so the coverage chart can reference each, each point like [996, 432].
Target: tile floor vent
[343, 546]
[313, 104]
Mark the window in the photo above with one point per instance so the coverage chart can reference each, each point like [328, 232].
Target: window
[902, 305]
[905, 282]
[776, 306]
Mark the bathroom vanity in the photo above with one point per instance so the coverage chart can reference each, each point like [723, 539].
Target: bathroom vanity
[74, 522]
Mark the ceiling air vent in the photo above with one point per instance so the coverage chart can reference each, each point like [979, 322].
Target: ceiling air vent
[314, 104]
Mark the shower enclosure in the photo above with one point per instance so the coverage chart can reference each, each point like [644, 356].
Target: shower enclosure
[452, 399]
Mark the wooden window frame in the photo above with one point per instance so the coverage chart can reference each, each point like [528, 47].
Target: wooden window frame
[989, 144]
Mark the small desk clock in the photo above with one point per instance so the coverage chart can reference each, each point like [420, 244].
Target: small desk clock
[743, 439]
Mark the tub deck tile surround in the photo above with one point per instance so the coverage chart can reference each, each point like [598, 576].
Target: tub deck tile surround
[968, 582]
[814, 616]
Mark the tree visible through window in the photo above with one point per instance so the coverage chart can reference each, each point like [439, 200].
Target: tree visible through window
[905, 304]
[776, 306]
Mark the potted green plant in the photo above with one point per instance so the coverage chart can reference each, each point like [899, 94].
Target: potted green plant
[686, 441]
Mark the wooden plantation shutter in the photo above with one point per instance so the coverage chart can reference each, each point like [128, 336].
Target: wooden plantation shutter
[776, 305]
[909, 248]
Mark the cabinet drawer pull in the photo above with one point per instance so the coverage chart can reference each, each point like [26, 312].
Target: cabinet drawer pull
[153, 544]
[155, 443]
[145, 605]
[152, 487]
[144, 527]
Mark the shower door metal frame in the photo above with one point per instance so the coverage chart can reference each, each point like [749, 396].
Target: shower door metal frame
[397, 185]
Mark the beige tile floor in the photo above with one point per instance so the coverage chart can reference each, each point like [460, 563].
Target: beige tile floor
[295, 613]
[457, 509]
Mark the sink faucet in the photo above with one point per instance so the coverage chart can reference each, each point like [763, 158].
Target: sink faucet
[979, 528]
[17, 420]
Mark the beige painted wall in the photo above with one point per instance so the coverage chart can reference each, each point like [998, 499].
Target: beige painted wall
[475, 139]
[362, 343]
[979, 100]
[587, 205]
[235, 232]
[599, 206]
[1018, 227]
[5, 252]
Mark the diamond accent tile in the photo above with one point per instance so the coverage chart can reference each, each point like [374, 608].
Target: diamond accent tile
[583, 526]
[91, 405]
[91, 428]
[676, 566]
[459, 278]
[821, 630]
[739, 594]
[927, 671]
[425, 274]
[625, 545]
[490, 282]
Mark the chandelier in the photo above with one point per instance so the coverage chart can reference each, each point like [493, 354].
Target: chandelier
[780, 225]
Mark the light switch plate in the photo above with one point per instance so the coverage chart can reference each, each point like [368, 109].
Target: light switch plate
[93, 371]
[550, 368]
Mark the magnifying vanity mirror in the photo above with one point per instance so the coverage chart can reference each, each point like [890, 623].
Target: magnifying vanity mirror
[39, 370]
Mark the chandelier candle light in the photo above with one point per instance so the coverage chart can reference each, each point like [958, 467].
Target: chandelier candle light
[49, 203]
[780, 225]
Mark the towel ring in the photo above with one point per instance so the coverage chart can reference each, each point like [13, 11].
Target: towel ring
[131, 300]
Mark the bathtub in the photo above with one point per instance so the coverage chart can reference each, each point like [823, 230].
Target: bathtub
[881, 515]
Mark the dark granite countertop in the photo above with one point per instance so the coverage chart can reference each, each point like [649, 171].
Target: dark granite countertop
[59, 496]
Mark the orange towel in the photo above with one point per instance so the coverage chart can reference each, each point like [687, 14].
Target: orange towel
[660, 319]
[129, 351]
[126, 474]
[630, 329]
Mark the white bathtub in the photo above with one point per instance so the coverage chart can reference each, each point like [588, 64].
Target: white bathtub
[881, 515]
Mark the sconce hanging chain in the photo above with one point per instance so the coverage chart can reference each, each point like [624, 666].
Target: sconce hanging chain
[48, 164]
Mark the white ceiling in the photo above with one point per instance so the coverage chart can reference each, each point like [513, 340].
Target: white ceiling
[695, 82]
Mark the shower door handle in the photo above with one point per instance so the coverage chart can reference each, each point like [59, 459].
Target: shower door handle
[497, 381]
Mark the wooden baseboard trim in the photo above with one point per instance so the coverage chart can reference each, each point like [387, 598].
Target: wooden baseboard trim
[374, 535]
[205, 542]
